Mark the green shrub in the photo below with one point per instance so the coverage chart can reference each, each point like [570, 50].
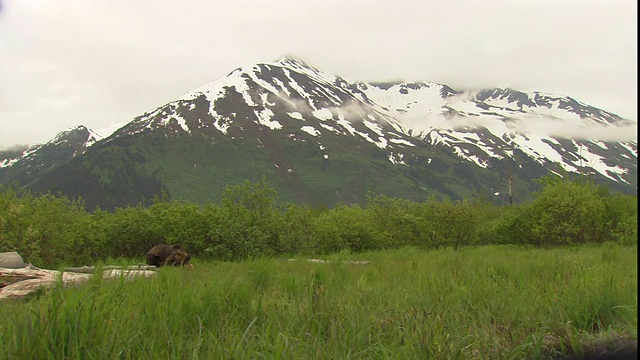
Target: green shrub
[49, 230]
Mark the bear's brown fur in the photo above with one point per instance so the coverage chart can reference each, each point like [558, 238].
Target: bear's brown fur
[163, 254]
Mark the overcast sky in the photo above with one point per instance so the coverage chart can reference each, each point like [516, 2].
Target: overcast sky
[101, 63]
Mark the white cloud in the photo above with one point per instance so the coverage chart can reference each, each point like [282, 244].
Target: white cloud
[117, 59]
[550, 127]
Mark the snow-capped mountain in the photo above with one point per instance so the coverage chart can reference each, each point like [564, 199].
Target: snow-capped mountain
[533, 123]
[315, 133]
[548, 128]
[28, 163]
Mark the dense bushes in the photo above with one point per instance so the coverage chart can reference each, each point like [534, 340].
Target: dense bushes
[572, 212]
[249, 222]
[44, 229]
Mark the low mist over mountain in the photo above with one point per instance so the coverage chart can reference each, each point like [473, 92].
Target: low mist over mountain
[322, 140]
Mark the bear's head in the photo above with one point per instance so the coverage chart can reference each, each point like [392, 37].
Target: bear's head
[178, 257]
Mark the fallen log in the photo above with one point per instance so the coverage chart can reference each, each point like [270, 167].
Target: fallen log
[23, 281]
[321, 261]
[91, 269]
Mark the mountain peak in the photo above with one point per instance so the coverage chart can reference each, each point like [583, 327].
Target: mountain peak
[325, 140]
[298, 65]
[33, 161]
[288, 60]
[75, 134]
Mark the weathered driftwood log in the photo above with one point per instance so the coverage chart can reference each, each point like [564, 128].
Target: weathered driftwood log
[20, 282]
[91, 269]
[352, 262]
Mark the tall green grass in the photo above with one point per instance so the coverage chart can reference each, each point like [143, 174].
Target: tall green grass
[494, 302]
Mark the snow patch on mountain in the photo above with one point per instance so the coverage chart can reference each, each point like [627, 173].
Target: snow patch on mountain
[374, 127]
[401, 142]
[346, 124]
[220, 123]
[265, 118]
[295, 115]
[329, 127]
[406, 99]
[310, 130]
[236, 80]
[9, 162]
[599, 164]
[397, 158]
[176, 119]
[295, 86]
[322, 114]
[632, 148]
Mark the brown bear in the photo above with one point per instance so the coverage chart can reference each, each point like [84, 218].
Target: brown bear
[172, 255]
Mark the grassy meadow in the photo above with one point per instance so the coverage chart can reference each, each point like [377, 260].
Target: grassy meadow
[488, 302]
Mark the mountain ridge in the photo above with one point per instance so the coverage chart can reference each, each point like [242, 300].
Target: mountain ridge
[264, 111]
